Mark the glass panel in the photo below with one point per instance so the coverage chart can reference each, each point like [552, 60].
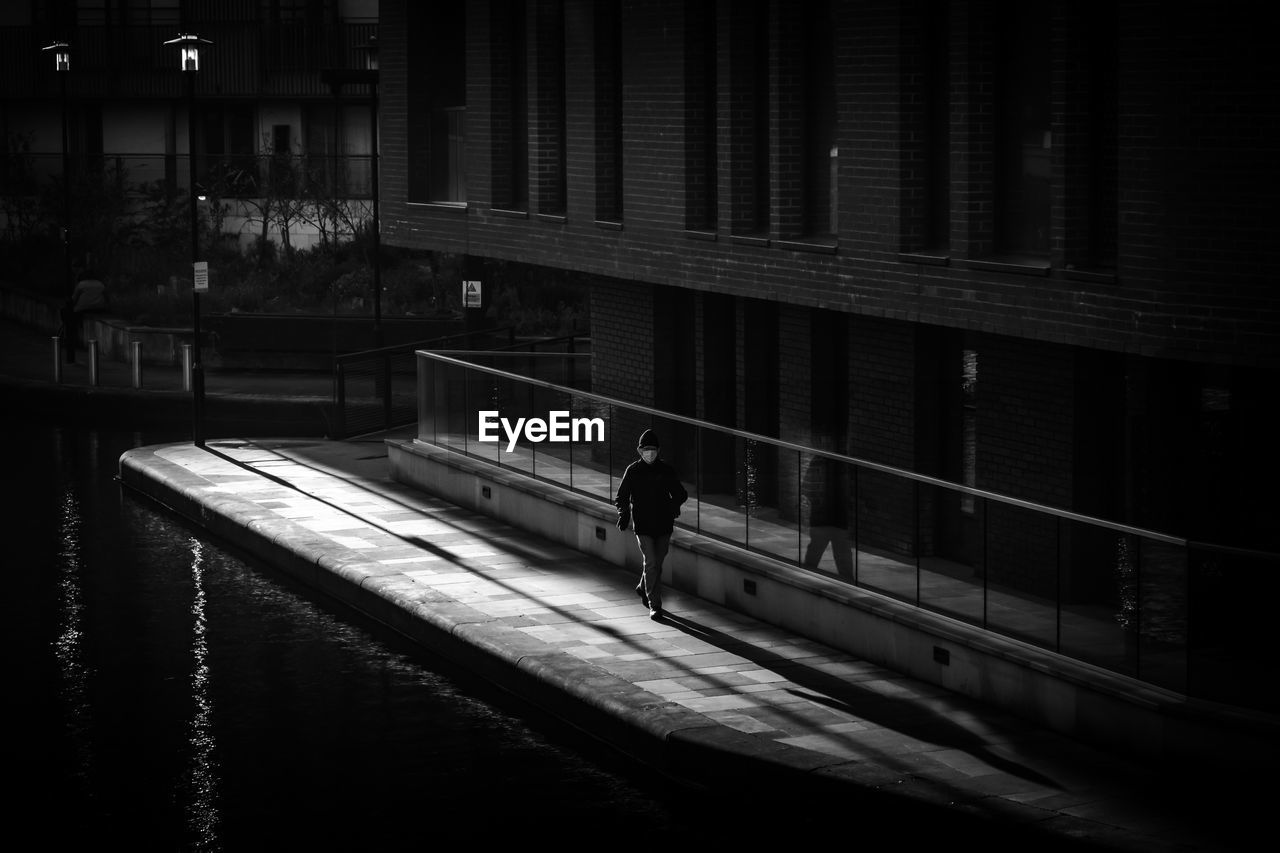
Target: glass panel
[551, 457]
[523, 426]
[680, 450]
[1021, 558]
[429, 403]
[951, 553]
[771, 479]
[826, 509]
[484, 395]
[1162, 614]
[1099, 603]
[886, 535]
[454, 396]
[723, 494]
[590, 456]
[1231, 633]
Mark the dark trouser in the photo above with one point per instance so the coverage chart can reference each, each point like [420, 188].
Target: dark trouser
[654, 550]
[820, 535]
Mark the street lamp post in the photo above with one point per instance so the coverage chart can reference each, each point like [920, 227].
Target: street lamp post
[371, 66]
[189, 53]
[62, 65]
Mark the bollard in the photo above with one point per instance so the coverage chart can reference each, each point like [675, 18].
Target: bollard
[136, 349]
[93, 362]
[186, 367]
[57, 359]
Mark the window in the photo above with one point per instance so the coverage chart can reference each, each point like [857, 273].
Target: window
[937, 135]
[702, 127]
[437, 97]
[821, 155]
[509, 108]
[608, 109]
[749, 111]
[1023, 139]
[548, 109]
[338, 142]
[230, 150]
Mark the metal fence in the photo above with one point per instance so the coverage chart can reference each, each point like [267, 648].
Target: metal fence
[1187, 616]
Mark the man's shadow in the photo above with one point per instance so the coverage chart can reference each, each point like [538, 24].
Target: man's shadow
[904, 716]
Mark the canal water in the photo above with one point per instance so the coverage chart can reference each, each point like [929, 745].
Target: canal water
[164, 693]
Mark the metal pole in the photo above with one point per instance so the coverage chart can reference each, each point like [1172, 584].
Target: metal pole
[66, 219]
[377, 239]
[197, 369]
[93, 362]
[135, 358]
[57, 358]
[186, 367]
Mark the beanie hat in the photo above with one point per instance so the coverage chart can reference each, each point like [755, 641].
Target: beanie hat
[648, 438]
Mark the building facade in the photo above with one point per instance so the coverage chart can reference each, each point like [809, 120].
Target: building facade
[1022, 247]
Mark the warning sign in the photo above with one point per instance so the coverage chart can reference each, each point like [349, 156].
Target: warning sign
[201, 276]
[471, 294]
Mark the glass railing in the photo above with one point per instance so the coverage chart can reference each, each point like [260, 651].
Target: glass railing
[1137, 602]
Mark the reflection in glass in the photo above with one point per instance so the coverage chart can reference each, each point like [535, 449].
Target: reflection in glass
[826, 488]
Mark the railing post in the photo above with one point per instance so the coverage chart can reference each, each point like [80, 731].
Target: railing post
[93, 362]
[186, 367]
[135, 349]
[386, 391]
[340, 416]
[57, 359]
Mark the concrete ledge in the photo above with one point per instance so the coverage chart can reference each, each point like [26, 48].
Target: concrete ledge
[1063, 694]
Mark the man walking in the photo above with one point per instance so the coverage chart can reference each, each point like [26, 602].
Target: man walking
[650, 494]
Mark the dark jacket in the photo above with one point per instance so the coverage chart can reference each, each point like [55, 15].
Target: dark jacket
[824, 488]
[650, 495]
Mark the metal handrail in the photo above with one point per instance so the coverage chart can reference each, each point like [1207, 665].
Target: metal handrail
[447, 356]
[413, 346]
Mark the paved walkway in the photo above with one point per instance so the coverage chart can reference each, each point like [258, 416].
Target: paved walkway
[704, 692]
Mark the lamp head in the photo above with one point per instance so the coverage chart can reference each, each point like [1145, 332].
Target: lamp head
[61, 55]
[189, 50]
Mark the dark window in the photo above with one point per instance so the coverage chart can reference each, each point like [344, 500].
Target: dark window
[821, 156]
[337, 144]
[749, 160]
[437, 95]
[937, 94]
[760, 115]
[509, 107]
[1103, 124]
[701, 208]
[1023, 140]
[550, 109]
[608, 118]
[230, 159]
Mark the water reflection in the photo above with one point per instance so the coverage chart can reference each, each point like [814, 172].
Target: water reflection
[202, 782]
[69, 644]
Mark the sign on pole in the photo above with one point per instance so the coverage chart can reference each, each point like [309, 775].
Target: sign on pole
[471, 294]
[201, 276]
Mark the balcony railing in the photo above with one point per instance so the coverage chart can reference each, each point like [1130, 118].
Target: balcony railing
[1145, 604]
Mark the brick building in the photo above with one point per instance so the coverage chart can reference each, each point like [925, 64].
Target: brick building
[1025, 247]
